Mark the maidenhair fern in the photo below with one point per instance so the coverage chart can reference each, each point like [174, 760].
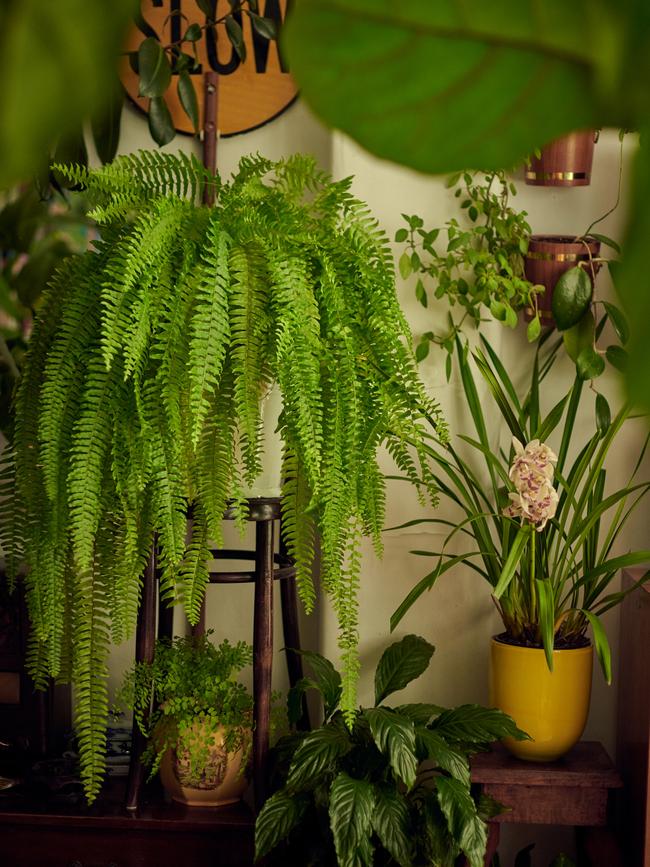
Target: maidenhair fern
[140, 400]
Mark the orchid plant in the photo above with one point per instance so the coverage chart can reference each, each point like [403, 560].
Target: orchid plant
[543, 531]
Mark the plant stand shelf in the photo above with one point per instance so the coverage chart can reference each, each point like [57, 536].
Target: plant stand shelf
[572, 791]
[107, 835]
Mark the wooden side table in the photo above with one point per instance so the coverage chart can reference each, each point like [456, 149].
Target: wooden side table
[572, 791]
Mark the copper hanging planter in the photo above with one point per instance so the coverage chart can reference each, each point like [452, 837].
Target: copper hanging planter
[565, 162]
[548, 257]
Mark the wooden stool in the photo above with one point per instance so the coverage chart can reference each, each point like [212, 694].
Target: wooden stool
[572, 791]
[269, 566]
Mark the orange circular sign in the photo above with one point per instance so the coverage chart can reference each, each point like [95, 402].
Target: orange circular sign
[250, 93]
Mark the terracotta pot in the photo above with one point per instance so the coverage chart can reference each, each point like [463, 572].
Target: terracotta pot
[548, 257]
[565, 162]
[222, 782]
[551, 706]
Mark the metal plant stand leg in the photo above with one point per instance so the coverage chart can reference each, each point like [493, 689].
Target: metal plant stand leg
[145, 640]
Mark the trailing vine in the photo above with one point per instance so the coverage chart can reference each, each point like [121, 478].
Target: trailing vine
[140, 400]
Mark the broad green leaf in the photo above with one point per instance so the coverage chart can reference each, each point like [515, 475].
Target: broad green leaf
[580, 336]
[57, 63]
[351, 809]
[390, 821]
[187, 97]
[405, 266]
[155, 71]
[277, 818]
[401, 663]
[590, 364]
[601, 643]
[462, 819]
[473, 724]
[435, 748]
[618, 358]
[419, 713]
[442, 89]
[193, 33]
[603, 414]
[421, 350]
[236, 36]
[395, 737]
[533, 330]
[619, 322]
[264, 26]
[571, 298]
[318, 753]
[326, 676]
[161, 125]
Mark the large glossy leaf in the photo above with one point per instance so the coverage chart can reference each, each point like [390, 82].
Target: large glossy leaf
[401, 663]
[154, 68]
[571, 298]
[462, 819]
[56, 64]
[450, 85]
[438, 750]
[390, 822]
[473, 724]
[317, 754]
[395, 737]
[279, 815]
[351, 810]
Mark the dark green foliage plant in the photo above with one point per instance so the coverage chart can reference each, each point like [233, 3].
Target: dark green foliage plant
[392, 789]
[192, 687]
[140, 400]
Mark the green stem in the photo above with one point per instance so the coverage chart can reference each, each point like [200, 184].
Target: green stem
[532, 577]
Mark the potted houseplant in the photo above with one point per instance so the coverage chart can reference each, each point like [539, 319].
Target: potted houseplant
[565, 162]
[200, 728]
[140, 400]
[492, 265]
[392, 789]
[542, 535]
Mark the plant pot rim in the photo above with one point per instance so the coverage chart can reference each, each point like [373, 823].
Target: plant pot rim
[586, 648]
[564, 239]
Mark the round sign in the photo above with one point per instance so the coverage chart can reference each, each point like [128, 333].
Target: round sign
[250, 93]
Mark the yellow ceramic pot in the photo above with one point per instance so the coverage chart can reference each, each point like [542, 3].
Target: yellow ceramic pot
[552, 706]
[223, 780]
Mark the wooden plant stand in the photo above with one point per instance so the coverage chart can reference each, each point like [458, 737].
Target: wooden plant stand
[572, 791]
[269, 567]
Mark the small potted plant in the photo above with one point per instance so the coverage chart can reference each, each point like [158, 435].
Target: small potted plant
[394, 788]
[542, 533]
[200, 728]
[491, 265]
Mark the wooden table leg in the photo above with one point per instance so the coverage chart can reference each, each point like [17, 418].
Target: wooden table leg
[598, 847]
[145, 642]
[262, 654]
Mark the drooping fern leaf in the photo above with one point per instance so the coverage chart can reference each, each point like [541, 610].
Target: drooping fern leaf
[140, 402]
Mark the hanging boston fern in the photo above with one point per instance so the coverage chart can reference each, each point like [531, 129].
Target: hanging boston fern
[141, 400]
